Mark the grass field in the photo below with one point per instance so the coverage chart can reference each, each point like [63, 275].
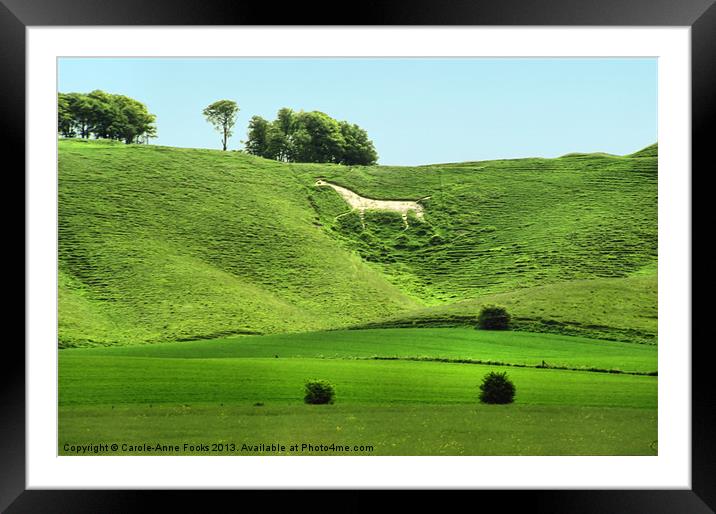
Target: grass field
[390, 430]
[237, 391]
[514, 348]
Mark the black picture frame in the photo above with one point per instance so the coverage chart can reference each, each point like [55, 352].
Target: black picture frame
[17, 15]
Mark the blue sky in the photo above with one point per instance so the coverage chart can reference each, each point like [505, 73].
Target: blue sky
[416, 111]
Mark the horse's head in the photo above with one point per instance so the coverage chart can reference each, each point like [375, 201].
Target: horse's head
[320, 182]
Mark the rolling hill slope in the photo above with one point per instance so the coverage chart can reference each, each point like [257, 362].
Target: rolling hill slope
[502, 225]
[621, 309]
[161, 244]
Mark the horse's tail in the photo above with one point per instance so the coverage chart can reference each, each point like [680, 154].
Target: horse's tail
[424, 198]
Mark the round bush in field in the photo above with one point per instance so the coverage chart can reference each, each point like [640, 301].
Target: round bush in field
[493, 317]
[497, 388]
[319, 391]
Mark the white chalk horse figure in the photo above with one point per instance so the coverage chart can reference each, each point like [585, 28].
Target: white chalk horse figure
[362, 204]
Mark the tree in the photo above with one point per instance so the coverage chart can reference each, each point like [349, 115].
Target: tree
[80, 107]
[65, 118]
[309, 137]
[281, 135]
[257, 142]
[149, 134]
[132, 120]
[321, 138]
[286, 121]
[493, 317]
[222, 114]
[265, 139]
[104, 111]
[357, 148]
[497, 388]
[105, 116]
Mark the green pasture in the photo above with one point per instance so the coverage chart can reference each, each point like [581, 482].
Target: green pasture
[97, 380]
[517, 348]
[250, 389]
[427, 429]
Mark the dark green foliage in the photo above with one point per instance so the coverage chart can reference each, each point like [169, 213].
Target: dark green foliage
[357, 148]
[497, 388]
[258, 142]
[493, 317]
[319, 392]
[309, 137]
[316, 138]
[65, 116]
[104, 116]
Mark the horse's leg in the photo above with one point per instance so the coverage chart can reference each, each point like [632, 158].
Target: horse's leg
[362, 217]
[344, 214]
[404, 215]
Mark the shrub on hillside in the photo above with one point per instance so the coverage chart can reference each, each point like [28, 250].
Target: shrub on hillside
[497, 388]
[493, 317]
[319, 392]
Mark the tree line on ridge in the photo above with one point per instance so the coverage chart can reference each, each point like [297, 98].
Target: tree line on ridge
[294, 136]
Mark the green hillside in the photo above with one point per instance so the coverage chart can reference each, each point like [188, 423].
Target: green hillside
[501, 225]
[649, 151]
[623, 309]
[163, 244]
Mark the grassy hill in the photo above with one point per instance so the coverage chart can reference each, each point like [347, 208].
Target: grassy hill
[502, 225]
[622, 309]
[649, 151]
[165, 244]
